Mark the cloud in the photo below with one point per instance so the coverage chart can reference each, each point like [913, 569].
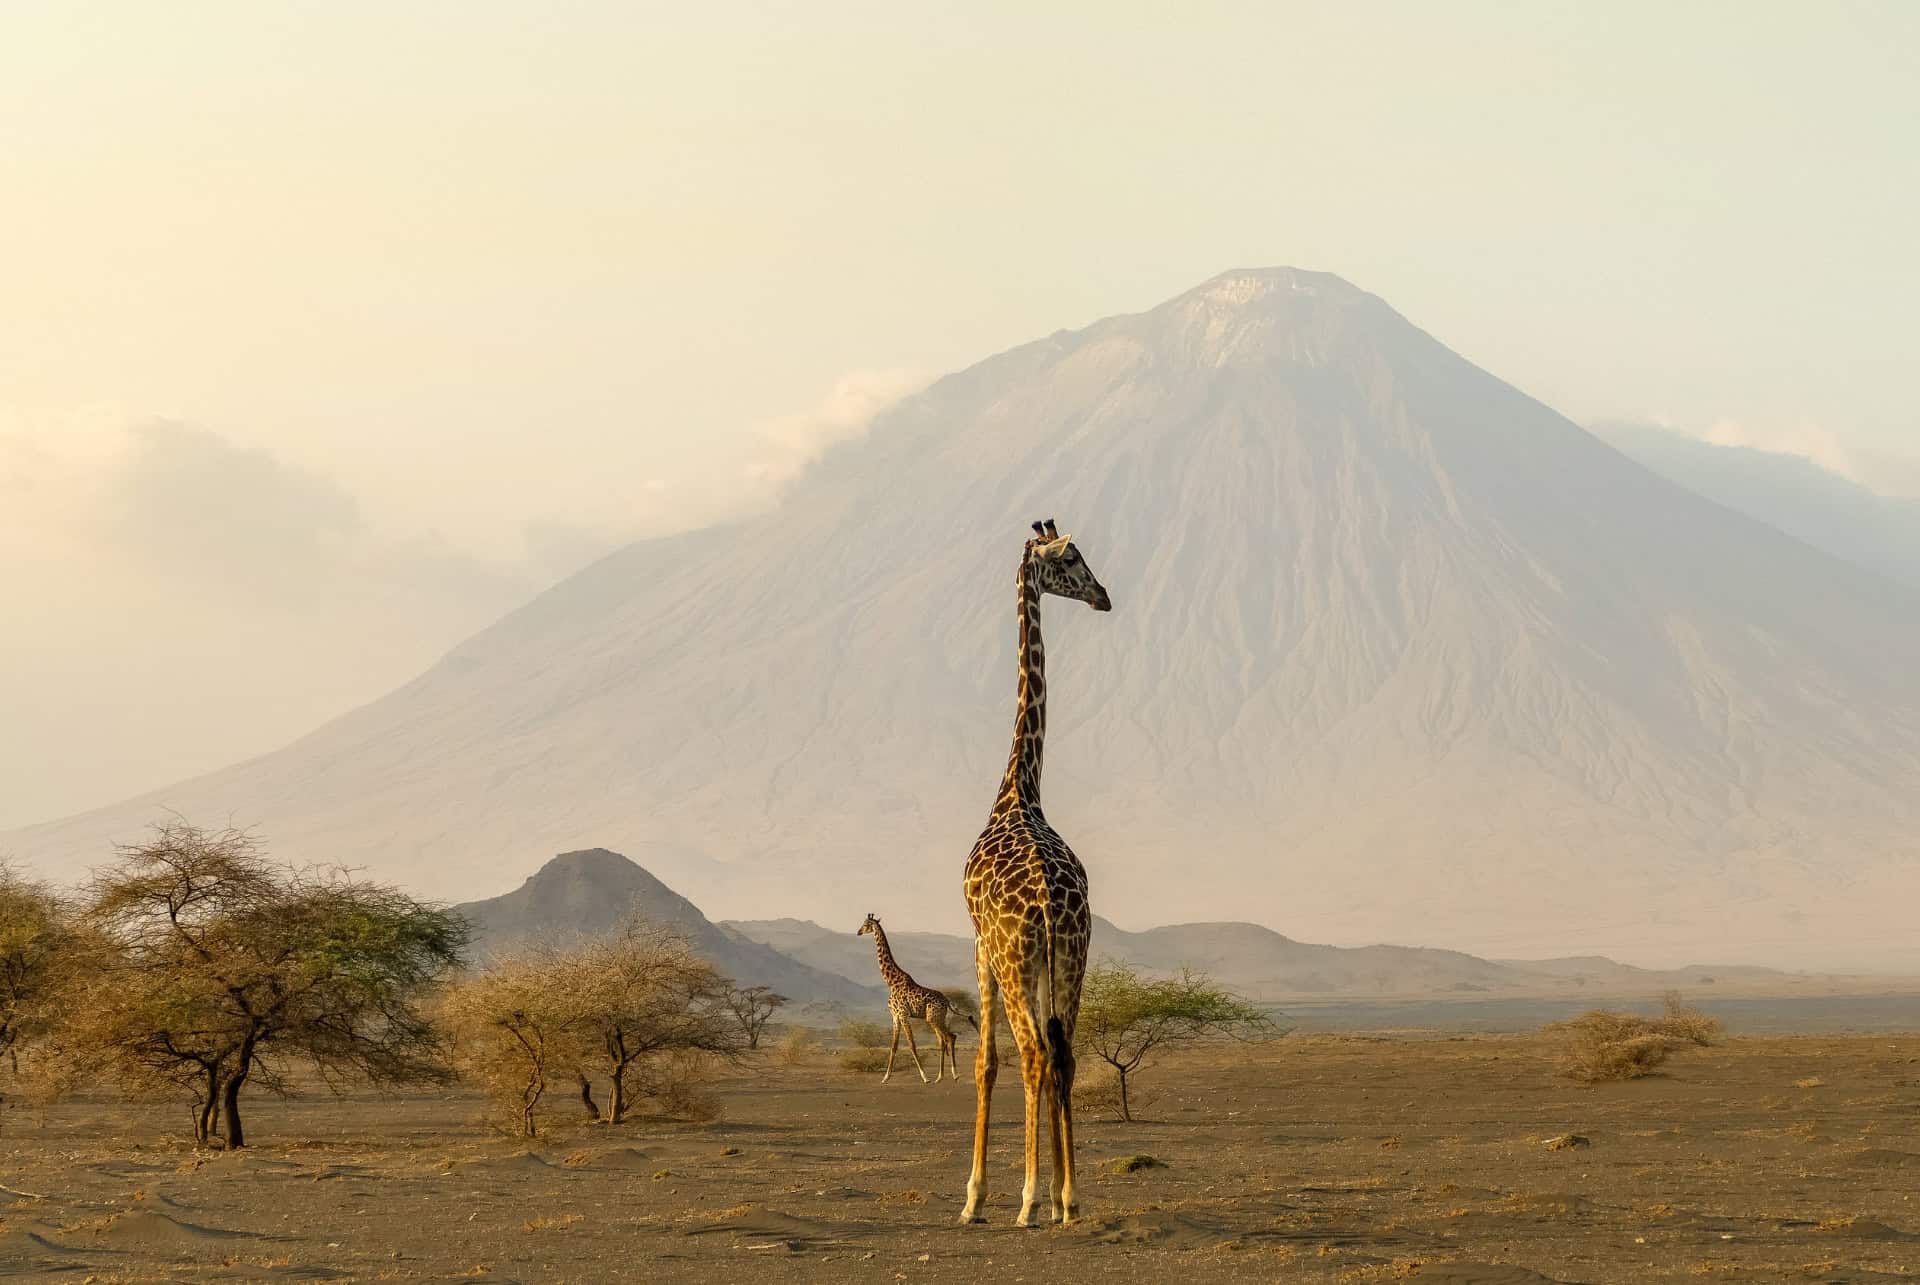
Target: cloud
[179, 601]
[1886, 474]
[1808, 441]
[787, 446]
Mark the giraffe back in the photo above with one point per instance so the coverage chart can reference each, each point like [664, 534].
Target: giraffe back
[1027, 895]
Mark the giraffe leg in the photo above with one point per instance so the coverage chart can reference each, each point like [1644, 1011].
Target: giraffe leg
[1060, 1084]
[1052, 1108]
[1033, 1081]
[937, 1020]
[913, 1047]
[985, 1066]
[895, 1048]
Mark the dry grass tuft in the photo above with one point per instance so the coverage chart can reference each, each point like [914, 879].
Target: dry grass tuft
[561, 1223]
[1133, 1164]
[1811, 1082]
[1604, 1045]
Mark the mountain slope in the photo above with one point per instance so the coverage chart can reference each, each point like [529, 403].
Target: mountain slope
[1796, 495]
[584, 894]
[1397, 653]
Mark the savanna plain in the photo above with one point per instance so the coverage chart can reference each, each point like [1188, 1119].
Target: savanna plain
[1313, 1157]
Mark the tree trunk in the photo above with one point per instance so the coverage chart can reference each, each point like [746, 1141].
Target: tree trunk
[1126, 1112]
[237, 1135]
[586, 1097]
[530, 1097]
[617, 1055]
[207, 1116]
[619, 1079]
[230, 1095]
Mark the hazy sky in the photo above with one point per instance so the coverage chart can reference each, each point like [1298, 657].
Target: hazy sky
[330, 330]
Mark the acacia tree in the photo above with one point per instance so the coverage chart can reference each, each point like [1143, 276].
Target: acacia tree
[34, 941]
[642, 994]
[1124, 1017]
[213, 969]
[514, 1032]
[753, 1007]
[635, 1010]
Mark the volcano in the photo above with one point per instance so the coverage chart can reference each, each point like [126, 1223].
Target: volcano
[1397, 653]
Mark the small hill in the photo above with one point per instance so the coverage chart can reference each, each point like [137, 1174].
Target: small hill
[583, 894]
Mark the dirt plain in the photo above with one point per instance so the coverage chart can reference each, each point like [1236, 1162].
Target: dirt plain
[1311, 1158]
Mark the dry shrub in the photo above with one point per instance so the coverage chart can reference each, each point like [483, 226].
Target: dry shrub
[862, 1060]
[799, 1046]
[680, 1086]
[1096, 1092]
[1604, 1045]
[868, 1041]
[863, 1034]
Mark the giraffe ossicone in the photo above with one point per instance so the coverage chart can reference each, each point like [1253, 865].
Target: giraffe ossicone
[907, 1000]
[1027, 895]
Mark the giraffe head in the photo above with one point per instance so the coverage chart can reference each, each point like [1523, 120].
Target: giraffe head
[871, 925]
[1059, 569]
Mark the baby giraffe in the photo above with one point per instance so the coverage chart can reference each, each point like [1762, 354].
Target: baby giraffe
[908, 999]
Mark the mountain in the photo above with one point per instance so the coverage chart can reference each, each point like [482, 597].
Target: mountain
[1397, 653]
[583, 894]
[1830, 512]
[1262, 964]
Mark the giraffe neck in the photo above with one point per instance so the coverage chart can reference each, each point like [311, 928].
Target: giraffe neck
[1020, 787]
[890, 972]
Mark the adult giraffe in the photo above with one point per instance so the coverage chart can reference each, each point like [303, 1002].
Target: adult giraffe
[907, 1000]
[1027, 894]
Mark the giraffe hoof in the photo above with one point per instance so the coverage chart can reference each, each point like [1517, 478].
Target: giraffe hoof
[970, 1219]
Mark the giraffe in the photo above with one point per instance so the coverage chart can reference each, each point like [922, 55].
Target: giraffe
[908, 999]
[1027, 895]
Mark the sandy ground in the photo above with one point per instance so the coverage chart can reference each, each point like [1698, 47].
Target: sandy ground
[1315, 1158]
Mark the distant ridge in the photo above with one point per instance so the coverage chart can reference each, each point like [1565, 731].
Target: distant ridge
[1265, 965]
[594, 891]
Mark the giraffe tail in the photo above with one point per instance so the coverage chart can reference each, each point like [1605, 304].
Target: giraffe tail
[1058, 1054]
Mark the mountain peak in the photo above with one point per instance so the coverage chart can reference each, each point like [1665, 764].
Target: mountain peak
[1242, 286]
[594, 864]
[1280, 317]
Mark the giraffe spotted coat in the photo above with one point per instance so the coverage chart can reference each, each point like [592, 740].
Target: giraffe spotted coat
[907, 1001]
[1027, 895]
